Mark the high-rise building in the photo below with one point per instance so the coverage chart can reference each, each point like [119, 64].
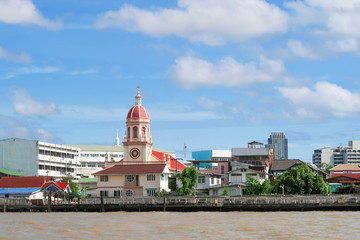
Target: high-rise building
[339, 155]
[279, 143]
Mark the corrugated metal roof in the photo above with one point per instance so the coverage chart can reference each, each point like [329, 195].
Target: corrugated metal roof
[344, 167]
[132, 169]
[98, 148]
[19, 190]
[11, 173]
[86, 180]
[250, 151]
[23, 182]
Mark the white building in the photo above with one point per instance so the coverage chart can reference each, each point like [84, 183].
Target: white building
[92, 158]
[37, 158]
[339, 155]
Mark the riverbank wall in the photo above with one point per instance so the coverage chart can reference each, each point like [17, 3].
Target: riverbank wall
[195, 203]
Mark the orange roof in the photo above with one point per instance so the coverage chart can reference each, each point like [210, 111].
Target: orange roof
[345, 167]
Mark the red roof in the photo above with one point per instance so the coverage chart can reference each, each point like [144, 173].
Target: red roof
[132, 169]
[138, 112]
[173, 161]
[347, 175]
[22, 182]
[62, 185]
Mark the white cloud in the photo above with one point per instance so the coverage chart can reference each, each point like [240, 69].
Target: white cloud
[32, 70]
[84, 72]
[8, 56]
[24, 12]
[325, 99]
[28, 106]
[337, 18]
[209, 21]
[300, 50]
[191, 72]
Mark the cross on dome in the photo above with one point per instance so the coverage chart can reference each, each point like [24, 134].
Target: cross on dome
[138, 97]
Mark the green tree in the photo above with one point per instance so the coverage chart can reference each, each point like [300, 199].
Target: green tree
[188, 178]
[254, 187]
[300, 180]
[172, 184]
[73, 186]
[225, 192]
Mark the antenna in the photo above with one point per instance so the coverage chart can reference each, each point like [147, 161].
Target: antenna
[185, 147]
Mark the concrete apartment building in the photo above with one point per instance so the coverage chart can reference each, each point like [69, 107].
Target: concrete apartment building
[37, 158]
[339, 155]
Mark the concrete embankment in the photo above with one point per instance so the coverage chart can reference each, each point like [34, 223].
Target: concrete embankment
[197, 203]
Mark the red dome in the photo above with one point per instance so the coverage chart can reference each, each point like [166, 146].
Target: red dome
[138, 112]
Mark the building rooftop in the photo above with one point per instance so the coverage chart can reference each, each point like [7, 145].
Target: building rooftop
[132, 169]
[250, 151]
[23, 182]
[283, 165]
[11, 173]
[345, 167]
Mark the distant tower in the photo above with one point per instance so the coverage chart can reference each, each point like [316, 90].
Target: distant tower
[137, 142]
[117, 140]
[279, 143]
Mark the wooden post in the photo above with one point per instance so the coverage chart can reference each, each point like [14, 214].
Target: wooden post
[164, 205]
[49, 202]
[102, 207]
[4, 205]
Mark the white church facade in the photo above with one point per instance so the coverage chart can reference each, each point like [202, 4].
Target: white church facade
[143, 171]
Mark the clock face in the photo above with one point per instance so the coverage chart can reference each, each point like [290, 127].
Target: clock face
[134, 153]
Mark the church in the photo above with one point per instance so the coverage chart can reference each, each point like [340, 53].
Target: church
[142, 171]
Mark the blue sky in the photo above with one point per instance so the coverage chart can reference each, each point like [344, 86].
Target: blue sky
[217, 74]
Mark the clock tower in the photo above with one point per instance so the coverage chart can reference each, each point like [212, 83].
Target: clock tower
[137, 140]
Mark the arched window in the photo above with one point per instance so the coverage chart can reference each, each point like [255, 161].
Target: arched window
[128, 132]
[135, 132]
[143, 132]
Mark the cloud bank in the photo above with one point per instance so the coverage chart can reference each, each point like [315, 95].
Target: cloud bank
[208, 21]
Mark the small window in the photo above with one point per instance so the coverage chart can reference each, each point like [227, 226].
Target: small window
[101, 165]
[151, 191]
[117, 193]
[130, 178]
[129, 193]
[212, 180]
[104, 178]
[151, 177]
[222, 169]
[104, 193]
[201, 179]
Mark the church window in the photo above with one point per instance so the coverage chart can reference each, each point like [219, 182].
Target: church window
[135, 132]
[130, 178]
[143, 131]
[129, 193]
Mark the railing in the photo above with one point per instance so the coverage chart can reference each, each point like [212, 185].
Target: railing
[15, 202]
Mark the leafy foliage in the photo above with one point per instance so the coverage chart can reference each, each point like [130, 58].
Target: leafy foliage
[300, 180]
[225, 192]
[254, 187]
[73, 186]
[172, 184]
[188, 178]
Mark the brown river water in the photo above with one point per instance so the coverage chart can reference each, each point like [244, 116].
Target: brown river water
[175, 225]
